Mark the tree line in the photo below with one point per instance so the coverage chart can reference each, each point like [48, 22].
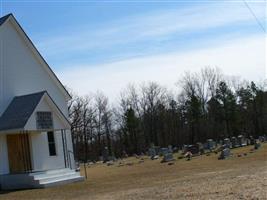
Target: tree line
[205, 104]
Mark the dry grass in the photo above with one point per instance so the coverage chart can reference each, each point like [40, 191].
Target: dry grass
[204, 177]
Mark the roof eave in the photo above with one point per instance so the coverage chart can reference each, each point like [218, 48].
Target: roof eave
[10, 131]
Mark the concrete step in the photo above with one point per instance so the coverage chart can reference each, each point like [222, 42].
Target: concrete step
[61, 181]
[40, 179]
[57, 177]
[53, 171]
[40, 176]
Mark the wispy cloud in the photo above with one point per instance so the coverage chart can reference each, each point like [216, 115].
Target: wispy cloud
[159, 26]
[245, 57]
[159, 46]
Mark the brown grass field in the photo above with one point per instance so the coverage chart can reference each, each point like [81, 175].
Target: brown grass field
[204, 177]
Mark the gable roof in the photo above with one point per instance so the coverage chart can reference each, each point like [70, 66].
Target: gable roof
[21, 109]
[10, 16]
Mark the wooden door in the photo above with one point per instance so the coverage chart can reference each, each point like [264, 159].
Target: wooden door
[18, 153]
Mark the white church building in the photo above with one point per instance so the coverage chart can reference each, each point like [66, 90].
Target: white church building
[35, 140]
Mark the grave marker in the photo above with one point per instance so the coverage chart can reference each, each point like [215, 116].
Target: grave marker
[257, 144]
[200, 148]
[163, 151]
[227, 143]
[167, 157]
[194, 149]
[263, 138]
[242, 140]
[234, 142]
[211, 144]
[225, 153]
[152, 153]
[170, 149]
[252, 140]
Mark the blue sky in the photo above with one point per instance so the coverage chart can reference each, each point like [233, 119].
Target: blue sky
[105, 45]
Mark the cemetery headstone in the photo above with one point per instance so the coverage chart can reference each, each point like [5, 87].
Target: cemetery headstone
[211, 144]
[262, 138]
[225, 153]
[175, 150]
[206, 146]
[194, 149]
[252, 140]
[184, 148]
[257, 144]
[241, 140]
[170, 149]
[167, 157]
[163, 151]
[152, 153]
[227, 142]
[200, 148]
[235, 143]
[157, 149]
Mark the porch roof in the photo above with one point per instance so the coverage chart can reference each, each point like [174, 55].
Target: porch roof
[21, 109]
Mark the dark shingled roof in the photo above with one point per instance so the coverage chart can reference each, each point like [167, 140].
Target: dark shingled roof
[19, 111]
[4, 18]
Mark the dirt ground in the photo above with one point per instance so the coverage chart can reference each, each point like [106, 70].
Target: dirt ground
[204, 177]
